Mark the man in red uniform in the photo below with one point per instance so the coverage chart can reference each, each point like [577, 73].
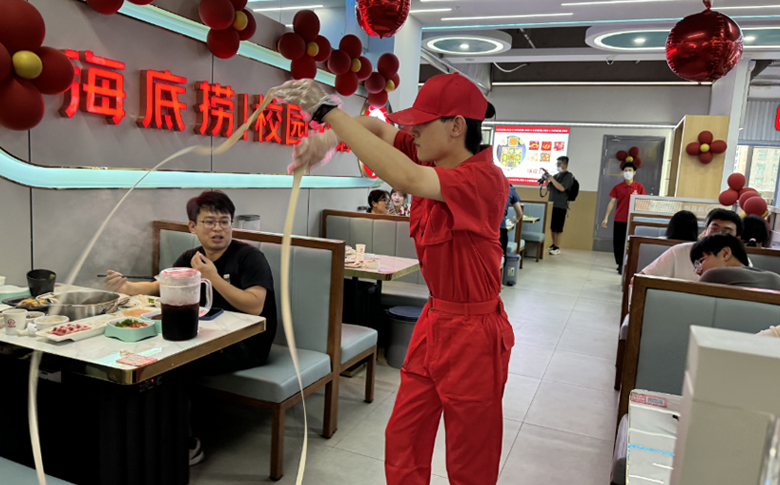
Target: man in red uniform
[459, 354]
[621, 193]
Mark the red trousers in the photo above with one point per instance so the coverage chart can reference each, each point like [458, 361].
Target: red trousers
[457, 364]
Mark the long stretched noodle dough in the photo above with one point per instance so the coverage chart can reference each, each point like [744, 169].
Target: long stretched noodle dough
[286, 311]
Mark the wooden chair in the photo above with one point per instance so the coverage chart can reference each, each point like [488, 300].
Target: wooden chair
[535, 233]
[317, 276]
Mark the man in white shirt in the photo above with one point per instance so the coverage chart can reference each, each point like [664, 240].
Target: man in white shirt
[676, 261]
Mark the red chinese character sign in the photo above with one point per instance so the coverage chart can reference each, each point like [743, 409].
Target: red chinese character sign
[27, 69]
[160, 104]
[215, 109]
[777, 119]
[102, 85]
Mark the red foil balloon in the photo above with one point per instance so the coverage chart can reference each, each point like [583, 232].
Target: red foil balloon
[382, 18]
[704, 46]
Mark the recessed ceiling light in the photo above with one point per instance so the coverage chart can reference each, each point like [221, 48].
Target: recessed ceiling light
[277, 9]
[490, 43]
[749, 7]
[750, 38]
[488, 17]
[464, 46]
[609, 2]
[430, 10]
[640, 40]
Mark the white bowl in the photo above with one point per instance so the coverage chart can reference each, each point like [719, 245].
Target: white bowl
[50, 321]
[34, 315]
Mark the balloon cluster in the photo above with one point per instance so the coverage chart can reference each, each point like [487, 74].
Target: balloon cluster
[704, 46]
[749, 199]
[229, 23]
[304, 46]
[27, 69]
[384, 81]
[109, 7]
[382, 18]
[348, 65]
[632, 156]
[705, 148]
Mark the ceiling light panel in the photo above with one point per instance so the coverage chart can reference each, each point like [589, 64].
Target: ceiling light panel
[521, 16]
[430, 10]
[279, 9]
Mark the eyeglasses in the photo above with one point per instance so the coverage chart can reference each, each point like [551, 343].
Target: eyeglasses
[212, 224]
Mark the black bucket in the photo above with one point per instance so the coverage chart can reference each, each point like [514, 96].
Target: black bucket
[41, 281]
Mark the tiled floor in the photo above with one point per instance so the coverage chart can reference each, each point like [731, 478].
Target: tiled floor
[559, 406]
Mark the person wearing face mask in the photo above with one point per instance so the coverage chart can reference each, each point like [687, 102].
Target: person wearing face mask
[559, 186]
[621, 194]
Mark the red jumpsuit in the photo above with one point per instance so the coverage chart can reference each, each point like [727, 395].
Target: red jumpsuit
[459, 354]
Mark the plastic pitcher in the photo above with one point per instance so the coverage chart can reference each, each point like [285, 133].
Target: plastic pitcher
[180, 299]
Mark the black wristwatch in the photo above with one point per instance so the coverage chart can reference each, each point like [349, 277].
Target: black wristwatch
[323, 110]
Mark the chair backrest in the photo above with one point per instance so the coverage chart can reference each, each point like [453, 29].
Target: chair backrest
[662, 312]
[535, 209]
[649, 231]
[316, 280]
[386, 235]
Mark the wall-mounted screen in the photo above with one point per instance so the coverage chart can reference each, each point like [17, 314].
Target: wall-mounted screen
[523, 151]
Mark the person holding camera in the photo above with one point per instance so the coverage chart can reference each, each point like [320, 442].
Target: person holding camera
[558, 186]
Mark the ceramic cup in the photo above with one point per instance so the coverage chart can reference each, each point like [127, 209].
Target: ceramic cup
[15, 321]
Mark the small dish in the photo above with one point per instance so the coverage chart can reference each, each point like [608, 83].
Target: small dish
[34, 315]
[156, 317]
[120, 328]
[45, 322]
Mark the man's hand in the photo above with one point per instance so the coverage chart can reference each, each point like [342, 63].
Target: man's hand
[307, 94]
[115, 282]
[604, 223]
[314, 150]
[515, 219]
[205, 266]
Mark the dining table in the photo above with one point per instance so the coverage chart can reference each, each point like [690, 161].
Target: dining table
[104, 421]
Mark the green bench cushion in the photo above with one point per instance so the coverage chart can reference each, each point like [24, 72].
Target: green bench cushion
[356, 339]
[16, 474]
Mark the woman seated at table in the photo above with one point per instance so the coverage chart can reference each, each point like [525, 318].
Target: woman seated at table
[683, 226]
[400, 205]
[754, 231]
[379, 202]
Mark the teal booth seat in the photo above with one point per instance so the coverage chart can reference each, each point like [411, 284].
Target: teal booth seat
[355, 339]
[535, 233]
[13, 473]
[512, 245]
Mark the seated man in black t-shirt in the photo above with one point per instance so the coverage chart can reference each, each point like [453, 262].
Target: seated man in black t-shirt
[239, 274]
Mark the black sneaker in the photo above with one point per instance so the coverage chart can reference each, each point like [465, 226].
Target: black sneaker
[619, 270]
[196, 451]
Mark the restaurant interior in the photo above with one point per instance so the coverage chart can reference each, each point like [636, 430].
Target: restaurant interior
[116, 114]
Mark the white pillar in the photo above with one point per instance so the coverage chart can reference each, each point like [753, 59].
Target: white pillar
[407, 47]
[729, 95]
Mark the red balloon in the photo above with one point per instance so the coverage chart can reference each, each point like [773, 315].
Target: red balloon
[705, 137]
[621, 155]
[375, 83]
[387, 65]
[291, 46]
[239, 4]
[736, 181]
[21, 26]
[705, 158]
[377, 100]
[106, 7]
[217, 14]
[718, 146]
[633, 151]
[223, 43]
[744, 196]
[755, 205]
[365, 69]
[21, 105]
[704, 46]
[339, 62]
[141, 2]
[382, 18]
[693, 149]
[57, 74]
[396, 78]
[5, 63]
[351, 45]
[303, 68]
[637, 162]
[251, 26]
[306, 24]
[325, 49]
[728, 197]
[347, 83]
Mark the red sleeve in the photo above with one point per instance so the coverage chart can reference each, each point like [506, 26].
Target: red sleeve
[613, 192]
[405, 143]
[475, 194]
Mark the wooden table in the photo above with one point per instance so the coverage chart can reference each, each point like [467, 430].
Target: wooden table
[104, 422]
[390, 268]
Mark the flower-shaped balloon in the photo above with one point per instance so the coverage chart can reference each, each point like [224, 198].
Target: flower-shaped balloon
[27, 69]
[384, 81]
[705, 149]
[632, 156]
[229, 23]
[349, 66]
[304, 46]
[108, 7]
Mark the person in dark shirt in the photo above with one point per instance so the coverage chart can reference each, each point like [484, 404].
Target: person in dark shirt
[512, 201]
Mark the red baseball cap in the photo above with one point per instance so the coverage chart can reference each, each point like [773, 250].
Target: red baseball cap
[444, 96]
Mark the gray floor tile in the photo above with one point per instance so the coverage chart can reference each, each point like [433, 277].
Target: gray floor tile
[529, 360]
[590, 342]
[581, 370]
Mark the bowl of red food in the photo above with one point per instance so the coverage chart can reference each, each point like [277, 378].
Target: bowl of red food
[130, 329]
